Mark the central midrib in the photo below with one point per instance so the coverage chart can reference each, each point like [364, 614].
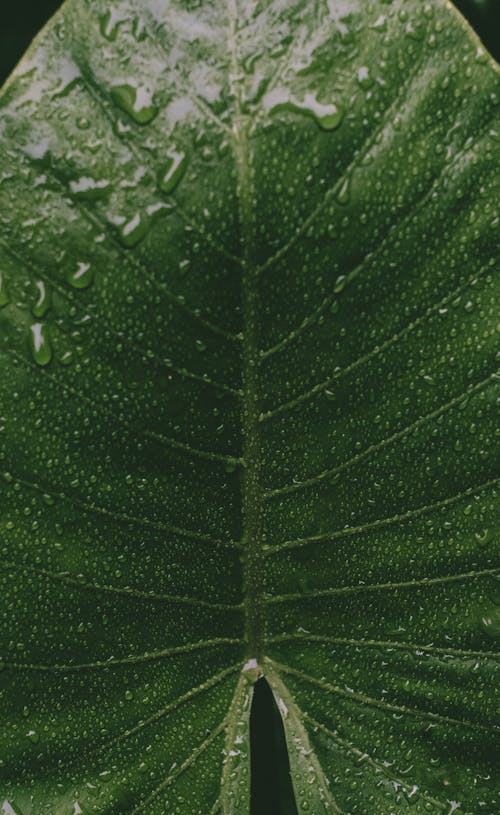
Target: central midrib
[251, 542]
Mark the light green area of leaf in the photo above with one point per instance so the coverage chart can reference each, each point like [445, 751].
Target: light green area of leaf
[247, 350]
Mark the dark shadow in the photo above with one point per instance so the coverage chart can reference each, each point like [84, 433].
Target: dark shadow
[271, 784]
[19, 22]
[484, 17]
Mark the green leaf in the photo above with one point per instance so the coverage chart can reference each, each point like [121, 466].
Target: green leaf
[247, 407]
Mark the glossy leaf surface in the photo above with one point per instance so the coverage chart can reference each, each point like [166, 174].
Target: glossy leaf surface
[247, 314]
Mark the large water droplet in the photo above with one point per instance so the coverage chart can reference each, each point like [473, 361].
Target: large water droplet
[481, 55]
[69, 76]
[136, 101]
[380, 23]
[173, 170]
[340, 283]
[109, 24]
[81, 277]
[327, 116]
[134, 230]
[8, 809]
[88, 188]
[138, 29]
[364, 78]
[40, 344]
[42, 305]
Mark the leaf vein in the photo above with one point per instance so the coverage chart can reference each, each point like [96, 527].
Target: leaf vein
[362, 756]
[175, 444]
[121, 517]
[127, 591]
[150, 656]
[381, 522]
[357, 160]
[373, 448]
[389, 645]
[370, 701]
[389, 586]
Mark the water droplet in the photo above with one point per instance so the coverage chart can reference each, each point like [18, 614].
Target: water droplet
[33, 736]
[380, 23]
[134, 230]
[69, 76]
[328, 117]
[88, 188]
[83, 123]
[66, 357]
[109, 24]
[42, 305]
[136, 101]
[483, 537]
[340, 283]
[129, 695]
[81, 277]
[364, 78]
[491, 621]
[173, 170]
[481, 55]
[8, 809]
[40, 345]
[138, 29]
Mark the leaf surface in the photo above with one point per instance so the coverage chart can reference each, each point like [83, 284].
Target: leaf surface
[247, 314]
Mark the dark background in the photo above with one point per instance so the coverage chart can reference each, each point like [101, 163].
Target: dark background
[272, 794]
[21, 19]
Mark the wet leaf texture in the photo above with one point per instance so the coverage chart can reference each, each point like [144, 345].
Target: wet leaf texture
[247, 384]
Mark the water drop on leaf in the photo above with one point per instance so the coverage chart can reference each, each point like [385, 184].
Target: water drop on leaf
[136, 101]
[88, 188]
[42, 305]
[327, 116]
[81, 277]
[364, 78]
[173, 171]
[109, 24]
[132, 231]
[491, 621]
[40, 344]
[340, 283]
